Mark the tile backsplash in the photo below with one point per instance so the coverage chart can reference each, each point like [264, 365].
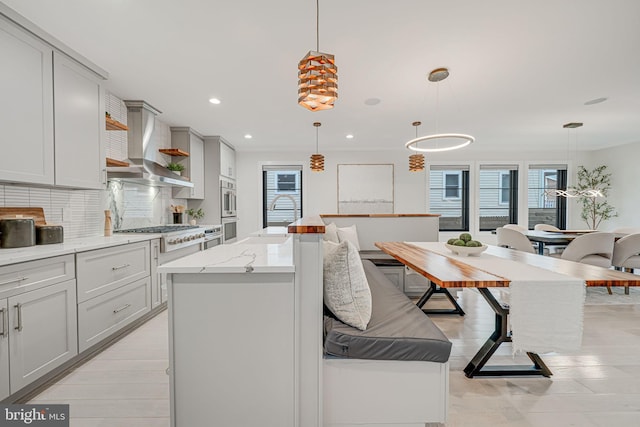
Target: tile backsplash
[81, 212]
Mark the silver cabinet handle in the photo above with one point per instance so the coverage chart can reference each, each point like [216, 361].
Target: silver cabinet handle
[17, 279]
[121, 267]
[18, 308]
[124, 307]
[3, 332]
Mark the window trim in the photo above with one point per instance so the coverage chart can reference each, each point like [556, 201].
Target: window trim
[501, 188]
[458, 187]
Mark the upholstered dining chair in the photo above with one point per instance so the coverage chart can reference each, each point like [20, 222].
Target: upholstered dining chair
[546, 227]
[514, 239]
[626, 254]
[592, 248]
[515, 227]
[626, 230]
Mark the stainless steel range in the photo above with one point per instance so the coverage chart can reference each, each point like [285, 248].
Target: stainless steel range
[173, 237]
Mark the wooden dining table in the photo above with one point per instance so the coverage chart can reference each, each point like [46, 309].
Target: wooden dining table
[449, 272]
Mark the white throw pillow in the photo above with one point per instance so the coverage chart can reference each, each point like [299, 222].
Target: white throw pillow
[331, 233]
[349, 234]
[346, 290]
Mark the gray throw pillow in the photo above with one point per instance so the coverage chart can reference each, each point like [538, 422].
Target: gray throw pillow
[346, 290]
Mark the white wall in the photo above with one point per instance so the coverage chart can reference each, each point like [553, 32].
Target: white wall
[320, 188]
[622, 163]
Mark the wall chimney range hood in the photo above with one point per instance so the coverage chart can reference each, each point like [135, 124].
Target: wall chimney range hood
[143, 170]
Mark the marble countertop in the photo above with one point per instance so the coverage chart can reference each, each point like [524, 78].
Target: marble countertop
[256, 254]
[70, 246]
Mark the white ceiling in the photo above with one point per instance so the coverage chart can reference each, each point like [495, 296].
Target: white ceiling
[519, 70]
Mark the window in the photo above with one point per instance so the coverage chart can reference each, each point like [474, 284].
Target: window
[543, 205]
[451, 185]
[286, 182]
[449, 196]
[498, 196]
[281, 195]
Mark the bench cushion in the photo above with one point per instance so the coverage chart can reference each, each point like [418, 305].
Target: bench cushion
[398, 330]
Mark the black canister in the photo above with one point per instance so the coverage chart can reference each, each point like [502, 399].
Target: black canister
[17, 232]
[49, 234]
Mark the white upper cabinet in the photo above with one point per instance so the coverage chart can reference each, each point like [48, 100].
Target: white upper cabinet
[227, 161]
[26, 107]
[186, 139]
[79, 126]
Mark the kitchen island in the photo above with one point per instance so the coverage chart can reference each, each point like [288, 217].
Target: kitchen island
[245, 324]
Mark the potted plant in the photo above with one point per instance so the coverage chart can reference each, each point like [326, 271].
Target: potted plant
[194, 215]
[593, 186]
[176, 168]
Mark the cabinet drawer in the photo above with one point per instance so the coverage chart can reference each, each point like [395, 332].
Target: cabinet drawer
[107, 269]
[104, 315]
[27, 276]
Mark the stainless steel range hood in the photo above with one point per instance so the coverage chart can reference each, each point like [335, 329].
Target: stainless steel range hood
[141, 120]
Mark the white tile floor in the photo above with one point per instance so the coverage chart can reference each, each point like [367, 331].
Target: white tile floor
[599, 385]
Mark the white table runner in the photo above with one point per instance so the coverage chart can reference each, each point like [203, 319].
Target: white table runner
[545, 307]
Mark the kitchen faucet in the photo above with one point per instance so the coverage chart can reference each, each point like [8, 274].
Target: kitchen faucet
[289, 196]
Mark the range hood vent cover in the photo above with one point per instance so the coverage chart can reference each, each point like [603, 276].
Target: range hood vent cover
[143, 170]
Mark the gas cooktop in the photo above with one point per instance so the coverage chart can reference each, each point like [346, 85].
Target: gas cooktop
[158, 229]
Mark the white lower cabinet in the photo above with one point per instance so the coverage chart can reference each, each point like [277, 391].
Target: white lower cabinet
[415, 284]
[104, 315]
[42, 332]
[241, 371]
[4, 349]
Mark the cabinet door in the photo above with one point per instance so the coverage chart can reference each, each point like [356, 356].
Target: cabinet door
[156, 282]
[196, 164]
[4, 349]
[42, 331]
[26, 107]
[227, 161]
[79, 126]
[395, 275]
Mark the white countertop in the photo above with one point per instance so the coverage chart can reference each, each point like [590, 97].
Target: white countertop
[254, 254]
[271, 231]
[30, 253]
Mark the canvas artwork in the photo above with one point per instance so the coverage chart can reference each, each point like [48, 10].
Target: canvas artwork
[365, 188]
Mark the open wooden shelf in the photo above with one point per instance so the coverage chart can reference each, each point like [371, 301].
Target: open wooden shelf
[174, 152]
[114, 162]
[115, 125]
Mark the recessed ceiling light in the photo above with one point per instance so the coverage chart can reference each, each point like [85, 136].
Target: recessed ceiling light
[372, 101]
[349, 136]
[596, 101]
[215, 101]
[248, 136]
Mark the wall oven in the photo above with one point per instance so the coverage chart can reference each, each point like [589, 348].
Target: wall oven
[229, 229]
[227, 198]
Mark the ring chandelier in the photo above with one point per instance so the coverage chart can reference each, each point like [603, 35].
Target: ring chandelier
[413, 144]
[437, 76]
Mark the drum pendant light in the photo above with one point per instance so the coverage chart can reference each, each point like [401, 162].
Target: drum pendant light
[416, 161]
[317, 76]
[317, 160]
